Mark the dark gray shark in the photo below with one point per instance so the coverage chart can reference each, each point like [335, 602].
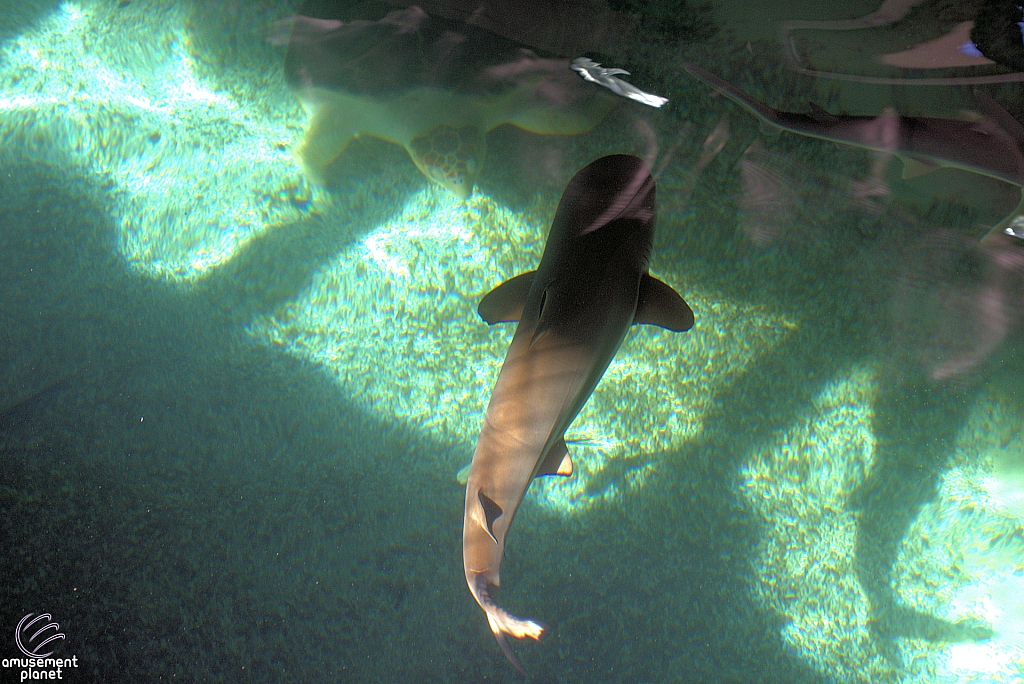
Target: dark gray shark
[991, 144]
[573, 311]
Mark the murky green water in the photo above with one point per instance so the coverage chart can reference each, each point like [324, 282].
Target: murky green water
[242, 366]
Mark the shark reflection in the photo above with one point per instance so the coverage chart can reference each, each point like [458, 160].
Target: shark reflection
[431, 80]
[990, 144]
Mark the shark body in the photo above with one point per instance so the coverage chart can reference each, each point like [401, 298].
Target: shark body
[991, 144]
[591, 285]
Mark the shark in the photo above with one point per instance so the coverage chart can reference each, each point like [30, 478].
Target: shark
[990, 144]
[573, 313]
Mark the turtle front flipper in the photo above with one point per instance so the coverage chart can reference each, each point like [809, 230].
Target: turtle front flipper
[451, 156]
[326, 138]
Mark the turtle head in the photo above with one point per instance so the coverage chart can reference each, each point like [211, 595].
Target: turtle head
[450, 156]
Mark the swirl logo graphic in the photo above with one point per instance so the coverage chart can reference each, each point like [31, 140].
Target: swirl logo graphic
[33, 634]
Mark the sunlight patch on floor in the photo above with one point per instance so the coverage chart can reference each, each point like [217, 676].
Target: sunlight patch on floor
[394, 321]
[960, 560]
[190, 174]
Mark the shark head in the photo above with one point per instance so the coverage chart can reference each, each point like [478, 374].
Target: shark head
[616, 187]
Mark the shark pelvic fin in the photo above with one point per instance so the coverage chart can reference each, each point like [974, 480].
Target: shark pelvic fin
[557, 462]
[492, 512]
[660, 305]
[504, 304]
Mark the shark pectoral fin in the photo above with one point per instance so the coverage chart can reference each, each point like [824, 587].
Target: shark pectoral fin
[492, 512]
[912, 168]
[557, 462]
[658, 304]
[504, 304]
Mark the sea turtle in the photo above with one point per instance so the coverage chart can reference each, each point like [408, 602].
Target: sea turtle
[432, 84]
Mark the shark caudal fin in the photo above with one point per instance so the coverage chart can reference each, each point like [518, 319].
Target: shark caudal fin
[503, 623]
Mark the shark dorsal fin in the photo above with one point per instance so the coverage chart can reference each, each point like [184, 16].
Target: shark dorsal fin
[504, 304]
[492, 512]
[821, 115]
[995, 111]
[914, 167]
[557, 462]
[658, 304]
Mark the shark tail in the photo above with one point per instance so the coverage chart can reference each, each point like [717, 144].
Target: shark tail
[503, 623]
